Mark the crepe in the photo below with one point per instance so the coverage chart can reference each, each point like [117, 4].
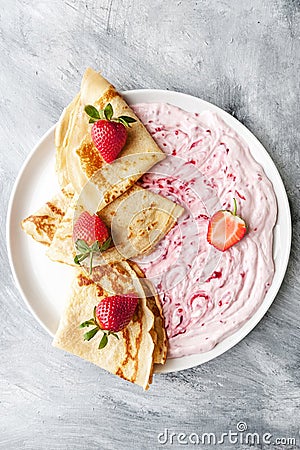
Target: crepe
[153, 303]
[107, 276]
[43, 224]
[137, 221]
[130, 357]
[79, 162]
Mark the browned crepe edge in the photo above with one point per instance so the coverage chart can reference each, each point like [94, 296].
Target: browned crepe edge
[153, 303]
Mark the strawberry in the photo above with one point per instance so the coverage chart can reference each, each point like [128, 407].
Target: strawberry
[111, 315]
[108, 133]
[109, 138]
[225, 229]
[90, 236]
[90, 229]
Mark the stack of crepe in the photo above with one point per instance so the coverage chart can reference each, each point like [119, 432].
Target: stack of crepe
[136, 218]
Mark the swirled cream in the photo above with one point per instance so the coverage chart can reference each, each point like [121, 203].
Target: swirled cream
[206, 294]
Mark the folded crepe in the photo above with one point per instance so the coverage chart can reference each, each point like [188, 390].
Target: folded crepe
[42, 225]
[137, 220]
[153, 302]
[132, 356]
[79, 162]
[107, 276]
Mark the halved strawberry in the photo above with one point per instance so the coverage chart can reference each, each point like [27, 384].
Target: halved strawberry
[225, 229]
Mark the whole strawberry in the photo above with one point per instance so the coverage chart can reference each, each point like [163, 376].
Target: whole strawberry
[111, 315]
[90, 236]
[226, 229]
[108, 133]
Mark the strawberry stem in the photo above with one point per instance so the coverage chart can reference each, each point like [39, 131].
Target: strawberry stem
[234, 207]
[91, 263]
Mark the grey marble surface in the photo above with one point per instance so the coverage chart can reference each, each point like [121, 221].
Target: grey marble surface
[242, 56]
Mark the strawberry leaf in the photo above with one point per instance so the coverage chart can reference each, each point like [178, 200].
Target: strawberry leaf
[127, 119]
[87, 323]
[81, 257]
[84, 250]
[82, 246]
[94, 247]
[103, 341]
[90, 334]
[92, 112]
[106, 245]
[122, 122]
[115, 335]
[108, 111]
[95, 317]
[76, 260]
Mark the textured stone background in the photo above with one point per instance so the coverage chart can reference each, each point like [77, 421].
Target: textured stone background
[242, 56]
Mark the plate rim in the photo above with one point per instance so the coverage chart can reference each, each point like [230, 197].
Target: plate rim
[9, 222]
[185, 362]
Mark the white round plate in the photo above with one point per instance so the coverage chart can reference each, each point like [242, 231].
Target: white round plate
[44, 284]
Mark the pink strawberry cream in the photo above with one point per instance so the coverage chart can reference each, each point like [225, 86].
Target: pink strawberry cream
[207, 294]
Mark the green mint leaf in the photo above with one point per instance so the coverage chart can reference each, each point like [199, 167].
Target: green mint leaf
[103, 341]
[108, 111]
[93, 120]
[92, 112]
[87, 323]
[90, 334]
[106, 245]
